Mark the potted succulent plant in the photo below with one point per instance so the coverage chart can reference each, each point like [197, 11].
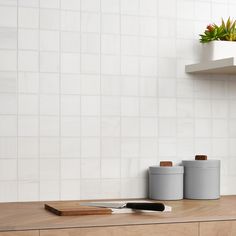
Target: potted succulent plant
[219, 42]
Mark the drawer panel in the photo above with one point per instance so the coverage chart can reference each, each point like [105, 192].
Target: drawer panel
[188, 229]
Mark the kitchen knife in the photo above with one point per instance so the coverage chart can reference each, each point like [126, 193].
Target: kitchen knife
[131, 205]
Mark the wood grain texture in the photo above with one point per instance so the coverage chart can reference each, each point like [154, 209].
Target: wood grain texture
[20, 233]
[223, 228]
[74, 209]
[33, 216]
[188, 229]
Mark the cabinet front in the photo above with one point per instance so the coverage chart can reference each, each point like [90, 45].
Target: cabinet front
[218, 228]
[20, 233]
[188, 229]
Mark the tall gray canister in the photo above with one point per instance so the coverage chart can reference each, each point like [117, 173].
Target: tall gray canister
[166, 182]
[201, 179]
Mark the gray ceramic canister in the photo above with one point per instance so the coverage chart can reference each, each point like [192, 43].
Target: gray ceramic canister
[166, 183]
[201, 179]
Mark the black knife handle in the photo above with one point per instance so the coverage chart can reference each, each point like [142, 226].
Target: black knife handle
[146, 206]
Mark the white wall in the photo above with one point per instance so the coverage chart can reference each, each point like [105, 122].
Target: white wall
[92, 93]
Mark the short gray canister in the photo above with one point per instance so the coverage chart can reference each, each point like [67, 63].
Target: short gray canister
[201, 179]
[166, 183]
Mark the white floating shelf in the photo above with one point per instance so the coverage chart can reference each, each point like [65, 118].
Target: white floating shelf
[222, 66]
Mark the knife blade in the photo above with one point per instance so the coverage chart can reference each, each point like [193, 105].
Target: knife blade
[131, 205]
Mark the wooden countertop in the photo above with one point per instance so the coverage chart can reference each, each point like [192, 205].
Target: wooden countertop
[33, 216]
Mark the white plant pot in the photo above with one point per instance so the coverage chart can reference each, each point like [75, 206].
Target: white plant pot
[216, 50]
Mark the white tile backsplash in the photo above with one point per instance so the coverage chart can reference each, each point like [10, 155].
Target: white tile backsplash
[93, 92]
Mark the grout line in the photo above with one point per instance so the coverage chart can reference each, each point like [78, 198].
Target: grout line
[39, 110]
[17, 100]
[60, 156]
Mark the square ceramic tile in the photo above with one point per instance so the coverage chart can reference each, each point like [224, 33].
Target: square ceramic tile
[130, 65]
[70, 147]
[49, 126]
[8, 82]
[90, 5]
[110, 126]
[28, 39]
[8, 16]
[130, 7]
[203, 128]
[129, 45]
[110, 65]
[29, 3]
[148, 26]
[167, 127]
[8, 38]
[129, 106]
[28, 18]
[70, 4]
[50, 148]
[49, 40]
[130, 25]
[70, 41]
[90, 22]
[8, 126]
[90, 63]
[8, 147]
[70, 127]
[28, 191]
[8, 169]
[130, 127]
[148, 66]
[90, 126]
[28, 104]
[70, 84]
[110, 24]
[110, 44]
[8, 104]
[28, 82]
[70, 63]
[110, 106]
[148, 127]
[49, 19]
[70, 21]
[110, 85]
[28, 126]
[49, 83]
[8, 191]
[28, 169]
[129, 147]
[90, 105]
[110, 168]
[90, 148]
[49, 169]
[90, 84]
[149, 147]
[70, 190]
[167, 107]
[28, 61]
[129, 86]
[149, 86]
[148, 107]
[148, 7]
[90, 43]
[8, 60]
[49, 62]
[90, 168]
[49, 105]
[110, 147]
[129, 168]
[49, 190]
[50, 4]
[70, 168]
[70, 105]
[110, 6]
[28, 147]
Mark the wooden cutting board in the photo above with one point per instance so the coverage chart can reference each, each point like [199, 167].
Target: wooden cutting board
[75, 209]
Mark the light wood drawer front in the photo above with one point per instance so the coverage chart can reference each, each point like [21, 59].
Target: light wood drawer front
[188, 229]
[20, 233]
[218, 228]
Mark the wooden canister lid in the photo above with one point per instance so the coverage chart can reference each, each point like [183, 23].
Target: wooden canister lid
[166, 163]
[201, 157]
